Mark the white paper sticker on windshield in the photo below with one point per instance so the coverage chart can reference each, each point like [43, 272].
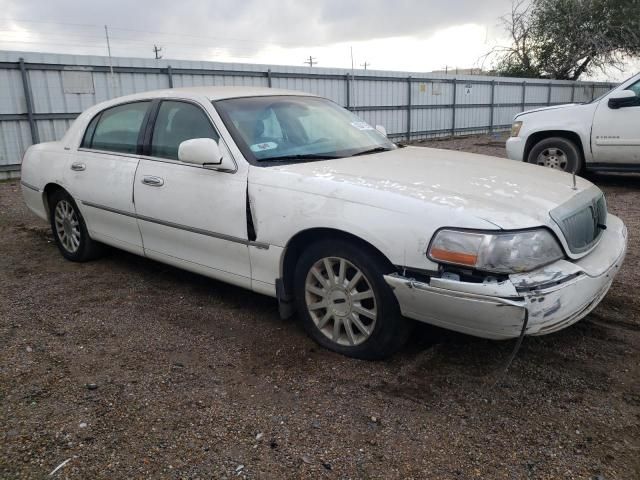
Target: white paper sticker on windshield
[260, 147]
[362, 126]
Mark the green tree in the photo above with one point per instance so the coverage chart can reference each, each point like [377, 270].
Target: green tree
[564, 39]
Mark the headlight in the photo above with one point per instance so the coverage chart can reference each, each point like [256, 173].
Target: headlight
[499, 252]
[515, 128]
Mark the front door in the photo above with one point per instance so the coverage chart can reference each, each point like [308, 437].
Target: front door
[102, 172]
[191, 216]
[616, 132]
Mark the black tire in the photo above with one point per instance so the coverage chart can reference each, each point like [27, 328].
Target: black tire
[86, 248]
[390, 330]
[558, 151]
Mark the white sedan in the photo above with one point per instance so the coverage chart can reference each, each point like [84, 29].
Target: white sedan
[292, 196]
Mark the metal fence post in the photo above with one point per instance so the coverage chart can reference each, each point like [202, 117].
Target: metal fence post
[26, 86]
[549, 93]
[409, 108]
[524, 95]
[493, 96]
[453, 108]
[269, 82]
[348, 80]
[573, 93]
[170, 75]
[593, 91]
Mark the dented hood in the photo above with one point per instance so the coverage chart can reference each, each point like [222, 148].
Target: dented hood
[503, 192]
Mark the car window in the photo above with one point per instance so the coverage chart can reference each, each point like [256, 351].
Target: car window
[297, 128]
[116, 129]
[177, 122]
[635, 88]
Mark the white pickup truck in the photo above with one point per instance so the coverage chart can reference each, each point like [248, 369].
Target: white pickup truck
[602, 135]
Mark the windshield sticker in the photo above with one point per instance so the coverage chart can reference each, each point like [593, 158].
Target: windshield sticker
[261, 147]
[362, 126]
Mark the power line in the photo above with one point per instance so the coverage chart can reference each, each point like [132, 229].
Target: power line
[150, 32]
[311, 61]
[121, 42]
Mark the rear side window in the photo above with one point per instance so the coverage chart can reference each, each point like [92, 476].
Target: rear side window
[116, 129]
[177, 122]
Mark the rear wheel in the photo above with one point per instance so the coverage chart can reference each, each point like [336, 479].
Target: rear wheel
[558, 153]
[69, 229]
[345, 304]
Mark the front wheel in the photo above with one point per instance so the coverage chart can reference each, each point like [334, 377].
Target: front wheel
[558, 153]
[345, 304]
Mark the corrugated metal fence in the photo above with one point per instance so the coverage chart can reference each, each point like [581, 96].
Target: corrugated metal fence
[40, 94]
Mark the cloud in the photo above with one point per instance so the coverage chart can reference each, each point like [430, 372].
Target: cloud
[250, 24]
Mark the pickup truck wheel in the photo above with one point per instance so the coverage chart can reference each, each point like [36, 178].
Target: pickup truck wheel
[558, 153]
[345, 304]
[69, 229]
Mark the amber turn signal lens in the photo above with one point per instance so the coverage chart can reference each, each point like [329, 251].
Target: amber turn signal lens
[454, 257]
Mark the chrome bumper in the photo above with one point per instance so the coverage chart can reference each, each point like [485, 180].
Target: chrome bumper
[555, 296]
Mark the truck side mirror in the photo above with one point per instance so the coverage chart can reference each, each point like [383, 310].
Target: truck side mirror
[622, 98]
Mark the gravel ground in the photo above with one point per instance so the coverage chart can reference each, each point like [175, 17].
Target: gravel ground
[131, 369]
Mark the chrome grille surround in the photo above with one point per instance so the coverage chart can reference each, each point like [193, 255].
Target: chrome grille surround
[581, 219]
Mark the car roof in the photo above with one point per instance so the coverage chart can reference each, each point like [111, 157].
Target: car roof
[195, 93]
[211, 93]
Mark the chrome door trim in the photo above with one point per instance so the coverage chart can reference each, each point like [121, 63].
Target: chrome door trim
[199, 231]
[29, 186]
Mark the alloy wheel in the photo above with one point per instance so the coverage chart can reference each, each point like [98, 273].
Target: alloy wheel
[67, 226]
[340, 301]
[553, 158]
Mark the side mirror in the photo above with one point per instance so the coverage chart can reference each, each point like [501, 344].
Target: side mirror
[204, 152]
[623, 98]
[381, 129]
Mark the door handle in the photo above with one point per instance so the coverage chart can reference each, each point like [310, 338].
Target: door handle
[152, 181]
[78, 167]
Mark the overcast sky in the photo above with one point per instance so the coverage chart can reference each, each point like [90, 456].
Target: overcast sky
[413, 35]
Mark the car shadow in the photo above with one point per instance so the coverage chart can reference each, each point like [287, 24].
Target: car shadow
[626, 180]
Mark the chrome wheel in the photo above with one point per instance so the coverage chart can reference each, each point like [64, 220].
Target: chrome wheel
[340, 301]
[67, 226]
[553, 158]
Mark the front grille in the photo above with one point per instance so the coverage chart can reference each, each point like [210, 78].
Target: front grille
[581, 220]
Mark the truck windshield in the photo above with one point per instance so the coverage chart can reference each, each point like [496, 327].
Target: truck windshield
[283, 128]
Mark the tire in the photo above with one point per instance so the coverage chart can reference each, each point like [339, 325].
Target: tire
[558, 153]
[365, 310]
[70, 230]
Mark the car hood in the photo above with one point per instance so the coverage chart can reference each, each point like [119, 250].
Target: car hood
[566, 108]
[505, 193]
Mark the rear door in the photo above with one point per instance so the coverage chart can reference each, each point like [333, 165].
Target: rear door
[616, 132]
[191, 216]
[103, 171]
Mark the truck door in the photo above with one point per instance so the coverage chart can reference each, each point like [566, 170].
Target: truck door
[615, 137]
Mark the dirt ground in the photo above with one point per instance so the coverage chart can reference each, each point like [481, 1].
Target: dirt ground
[131, 369]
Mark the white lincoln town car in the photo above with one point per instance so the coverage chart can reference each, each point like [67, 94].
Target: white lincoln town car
[292, 196]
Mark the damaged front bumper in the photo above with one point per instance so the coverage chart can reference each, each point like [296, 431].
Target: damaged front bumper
[555, 296]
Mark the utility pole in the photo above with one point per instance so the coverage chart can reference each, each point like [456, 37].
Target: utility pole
[365, 65]
[113, 78]
[311, 61]
[156, 51]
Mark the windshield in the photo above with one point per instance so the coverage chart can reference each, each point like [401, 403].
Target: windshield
[297, 129]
